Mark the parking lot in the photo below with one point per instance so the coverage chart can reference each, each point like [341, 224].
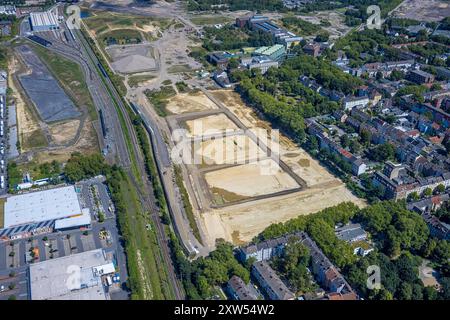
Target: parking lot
[15, 256]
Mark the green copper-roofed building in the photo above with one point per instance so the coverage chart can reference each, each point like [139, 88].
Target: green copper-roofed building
[275, 52]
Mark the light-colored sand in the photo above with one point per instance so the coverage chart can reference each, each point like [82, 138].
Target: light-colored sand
[234, 103]
[64, 132]
[250, 218]
[229, 150]
[190, 102]
[210, 125]
[241, 222]
[250, 180]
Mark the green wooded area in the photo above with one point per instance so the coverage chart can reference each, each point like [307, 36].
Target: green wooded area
[284, 100]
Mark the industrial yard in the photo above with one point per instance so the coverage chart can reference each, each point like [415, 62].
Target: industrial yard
[51, 125]
[52, 103]
[135, 58]
[48, 226]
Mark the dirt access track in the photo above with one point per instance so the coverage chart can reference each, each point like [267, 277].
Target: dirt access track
[242, 202]
[45, 142]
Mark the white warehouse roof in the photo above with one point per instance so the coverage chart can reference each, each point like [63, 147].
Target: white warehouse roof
[75, 221]
[41, 206]
[43, 19]
[71, 277]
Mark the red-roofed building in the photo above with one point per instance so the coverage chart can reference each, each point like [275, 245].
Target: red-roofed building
[340, 296]
[436, 139]
[413, 133]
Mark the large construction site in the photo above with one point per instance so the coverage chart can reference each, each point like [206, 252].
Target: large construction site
[240, 183]
[50, 124]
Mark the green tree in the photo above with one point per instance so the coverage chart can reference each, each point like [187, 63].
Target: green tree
[429, 293]
[405, 291]
[382, 152]
[365, 137]
[439, 189]
[428, 192]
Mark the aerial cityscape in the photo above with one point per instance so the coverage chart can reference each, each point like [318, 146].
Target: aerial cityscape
[225, 150]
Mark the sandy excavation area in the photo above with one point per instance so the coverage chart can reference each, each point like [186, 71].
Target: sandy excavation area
[210, 125]
[64, 132]
[240, 223]
[189, 102]
[250, 180]
[238, 149]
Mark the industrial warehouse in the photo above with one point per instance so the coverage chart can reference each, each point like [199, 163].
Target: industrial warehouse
[44, 21]
[43, 211]
[81, 276]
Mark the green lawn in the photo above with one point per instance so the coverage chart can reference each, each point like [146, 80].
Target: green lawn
[135, 81]
[159, 98]
[35, 139]
[100, 21]
[179, 68]
[122, 36]
[209, 20]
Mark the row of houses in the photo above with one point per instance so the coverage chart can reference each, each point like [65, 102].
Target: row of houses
[324, 271]
[358, 166]
[425, 207]
[397, 183]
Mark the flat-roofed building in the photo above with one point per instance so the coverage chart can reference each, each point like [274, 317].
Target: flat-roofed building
[39, 206]
[420, 77]
[239, 290]
[57, 208]
[8, 10]
[43, 21]
[72, 277]
[260, 62]
[275, 52]
[270, 282]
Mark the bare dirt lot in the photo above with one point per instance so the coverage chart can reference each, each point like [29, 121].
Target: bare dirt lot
[234, 103]
[237, 149]
[241, 222]
[189, 102]
[337, 26]
[86, 144]
[249, 180]
[210, 125]
[430, 10]
[65, 131]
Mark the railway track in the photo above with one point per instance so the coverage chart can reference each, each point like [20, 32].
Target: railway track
[146, 196]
